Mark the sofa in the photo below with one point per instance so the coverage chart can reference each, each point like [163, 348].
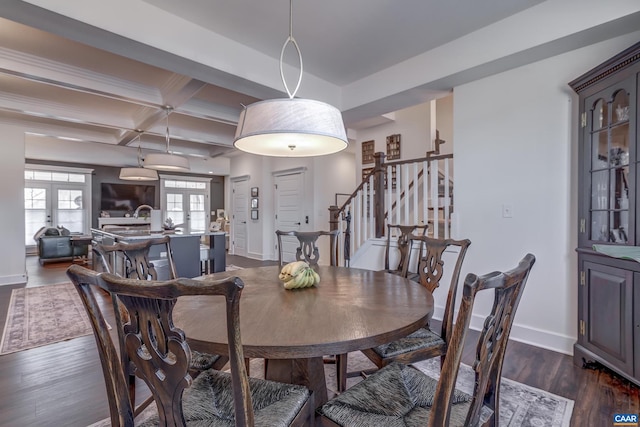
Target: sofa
[54, 245]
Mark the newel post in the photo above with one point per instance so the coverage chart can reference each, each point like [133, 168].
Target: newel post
[378, 197]
[334, 217]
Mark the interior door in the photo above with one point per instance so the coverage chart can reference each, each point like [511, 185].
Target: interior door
[289, 199]
[52, 205]
[240, 215]
[187, 209]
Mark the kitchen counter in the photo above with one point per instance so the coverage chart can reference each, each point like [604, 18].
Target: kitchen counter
[188, 254]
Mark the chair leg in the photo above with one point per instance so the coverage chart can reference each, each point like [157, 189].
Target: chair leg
[341, 371]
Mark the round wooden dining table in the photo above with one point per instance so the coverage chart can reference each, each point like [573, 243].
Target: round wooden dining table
[350, 309]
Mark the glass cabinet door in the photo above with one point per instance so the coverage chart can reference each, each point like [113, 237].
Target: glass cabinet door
[610, 147]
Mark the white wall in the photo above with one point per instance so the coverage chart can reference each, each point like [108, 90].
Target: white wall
[324, 176]
[12, 253]
[515, 143]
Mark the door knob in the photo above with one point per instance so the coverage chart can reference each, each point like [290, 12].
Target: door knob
[296, 223]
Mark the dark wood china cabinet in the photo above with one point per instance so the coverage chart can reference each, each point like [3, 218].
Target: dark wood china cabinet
[608, 203]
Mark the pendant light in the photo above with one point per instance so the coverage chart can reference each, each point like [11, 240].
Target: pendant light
[166, 161]
[290, 127]
[139, 173]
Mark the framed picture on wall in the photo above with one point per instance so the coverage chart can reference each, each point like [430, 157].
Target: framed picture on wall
[254, 213]
[254, 203]
[254, 191]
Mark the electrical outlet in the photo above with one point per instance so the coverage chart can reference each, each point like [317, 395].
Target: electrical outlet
[507, 210]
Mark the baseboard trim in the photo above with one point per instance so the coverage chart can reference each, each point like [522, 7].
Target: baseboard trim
[16, 279]
[525, 334]
[257, 256]
[533, 336]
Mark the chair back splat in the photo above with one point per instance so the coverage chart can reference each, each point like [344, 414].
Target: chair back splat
[307, 249]
[430, 269]
[404, 246]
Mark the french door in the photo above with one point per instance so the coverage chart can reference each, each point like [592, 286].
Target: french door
[56, 196]
[240, 209]
[55, 204]
[187, 203]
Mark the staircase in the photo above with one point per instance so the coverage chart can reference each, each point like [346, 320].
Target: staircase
[418, 191]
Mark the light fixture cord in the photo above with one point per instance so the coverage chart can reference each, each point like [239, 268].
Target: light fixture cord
[291, 40]
[139, 152]
[167, 135]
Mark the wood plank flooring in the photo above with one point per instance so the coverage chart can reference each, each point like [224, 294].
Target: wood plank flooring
[62, 384]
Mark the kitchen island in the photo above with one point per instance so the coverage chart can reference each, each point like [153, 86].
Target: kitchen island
[188, 254]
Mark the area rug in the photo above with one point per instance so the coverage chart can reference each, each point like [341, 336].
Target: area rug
[232, 267]
[43, 315]
[521, 405]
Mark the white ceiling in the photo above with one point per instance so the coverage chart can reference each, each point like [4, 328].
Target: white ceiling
[93, 72]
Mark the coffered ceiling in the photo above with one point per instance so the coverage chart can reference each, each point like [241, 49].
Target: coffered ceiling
[95, 72]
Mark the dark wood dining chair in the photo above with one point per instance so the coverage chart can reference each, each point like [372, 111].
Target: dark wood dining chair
[424, 343]
[161, 355]
[401, 234]
[400, 394]
[308, 249]
[132, 261]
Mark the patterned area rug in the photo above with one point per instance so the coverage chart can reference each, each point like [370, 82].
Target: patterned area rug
[43, 315]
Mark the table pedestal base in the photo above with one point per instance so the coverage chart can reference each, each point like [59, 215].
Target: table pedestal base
[306, 372]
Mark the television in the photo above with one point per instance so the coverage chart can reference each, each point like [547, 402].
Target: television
[126, 197]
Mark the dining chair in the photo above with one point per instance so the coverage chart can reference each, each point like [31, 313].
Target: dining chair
[308, 249]
[400, 394]
[424, 343]
[404, 248]
[161, 355]
[131, 260]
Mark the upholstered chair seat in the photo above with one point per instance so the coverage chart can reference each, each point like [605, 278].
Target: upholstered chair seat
[368, 403]
[420, 339]
[209, 402]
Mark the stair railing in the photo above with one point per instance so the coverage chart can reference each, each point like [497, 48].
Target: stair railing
[417, 191]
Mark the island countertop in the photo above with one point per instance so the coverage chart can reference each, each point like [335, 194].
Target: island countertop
[191, 258]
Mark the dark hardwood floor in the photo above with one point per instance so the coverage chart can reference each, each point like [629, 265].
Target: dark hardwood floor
[62, 384]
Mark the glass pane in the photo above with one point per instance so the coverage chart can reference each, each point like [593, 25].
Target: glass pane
[620, 188]
[170, 184]
[197, 222]
[72, 219]
[35, 198]
[28, 174]
[74, 177]
[42, 175]
[196, 202]
[69, 199]
[59, 176]
[33, 221]
[599, 226]
[619, 227]
[620, 106]
[599, 149]
[174, 208]
[599, 115]
[197, 214]
[620, 145]
[599, 190]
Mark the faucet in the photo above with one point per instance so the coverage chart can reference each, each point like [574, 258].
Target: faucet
[136, 213]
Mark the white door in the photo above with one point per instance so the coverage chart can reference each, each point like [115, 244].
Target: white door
[52, 205]
[186, 202]
[240, 193]
[289, 199]
[188, 210]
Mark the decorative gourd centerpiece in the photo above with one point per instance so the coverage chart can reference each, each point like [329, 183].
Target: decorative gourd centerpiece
[298, 274]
